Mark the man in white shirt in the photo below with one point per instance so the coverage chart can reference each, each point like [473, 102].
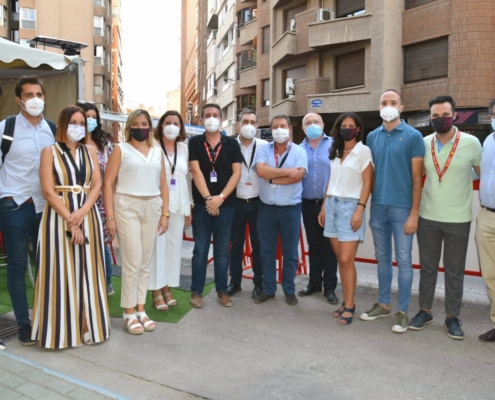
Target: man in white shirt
[21, 201]
[246, 208]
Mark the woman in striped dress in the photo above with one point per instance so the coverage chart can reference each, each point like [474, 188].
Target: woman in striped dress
[70, 303]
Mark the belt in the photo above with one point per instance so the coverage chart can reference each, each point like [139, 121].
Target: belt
[74, 189]
[142, 197]
[489, 209]
[250, 200]
[313, 201]
[30, 200]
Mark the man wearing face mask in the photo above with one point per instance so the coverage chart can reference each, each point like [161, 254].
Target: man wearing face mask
[21, 201]
[446, 213]
[246, 207]
[398, 152]
[281, 166]
[215, 162]
[322, 259]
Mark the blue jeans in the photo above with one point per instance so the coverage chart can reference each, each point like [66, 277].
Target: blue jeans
[387, 222]
[18, 223]
[108, 264]
[272, 221]
[204, 225]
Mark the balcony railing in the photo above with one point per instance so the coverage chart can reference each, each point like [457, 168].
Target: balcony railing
[248, 64]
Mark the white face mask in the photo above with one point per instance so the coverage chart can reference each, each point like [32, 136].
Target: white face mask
[212, 124]
[76, 132]
[171, 131]
[34, 106]
[280, 135]
[248, 131]
[389, 113]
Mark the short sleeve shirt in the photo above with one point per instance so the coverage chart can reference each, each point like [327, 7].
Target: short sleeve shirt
[230, 153]
[392, 155]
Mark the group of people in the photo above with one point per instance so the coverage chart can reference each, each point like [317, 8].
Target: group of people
[70, 192]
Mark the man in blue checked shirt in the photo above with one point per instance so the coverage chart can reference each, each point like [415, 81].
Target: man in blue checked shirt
[281, 166]
[322, 259]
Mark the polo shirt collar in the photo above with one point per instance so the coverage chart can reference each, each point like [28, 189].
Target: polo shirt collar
[451, 140]
[399, 127]
[286, 146]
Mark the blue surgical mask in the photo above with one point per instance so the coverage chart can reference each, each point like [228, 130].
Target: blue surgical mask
[313, 131]
[92, 124]
[493, 124]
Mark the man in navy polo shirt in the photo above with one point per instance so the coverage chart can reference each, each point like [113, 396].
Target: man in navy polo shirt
[398, 152]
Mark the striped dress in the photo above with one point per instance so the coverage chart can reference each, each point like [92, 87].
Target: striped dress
[70, 284]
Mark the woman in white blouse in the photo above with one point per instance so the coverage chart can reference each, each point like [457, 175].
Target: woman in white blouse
[170, 135]
[342, 213]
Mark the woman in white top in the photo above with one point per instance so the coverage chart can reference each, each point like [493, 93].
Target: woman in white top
[166, 262]
[137, 211]
[342, 213]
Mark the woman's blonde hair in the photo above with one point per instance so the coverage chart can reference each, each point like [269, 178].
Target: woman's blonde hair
[132, 116]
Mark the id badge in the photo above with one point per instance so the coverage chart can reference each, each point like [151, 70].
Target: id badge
[173, 184]
[213, 176]
[248, 182]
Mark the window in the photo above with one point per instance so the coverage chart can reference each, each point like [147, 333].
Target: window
[108, 93]
[3, 16]
[246, 15]
[108, 35]
[416, 3]
[109, 62]
[246, 59]
[426, 60]
[14, 35]
[350, 70]
[290, 15]
[98, 26]
[24, 42]
[296, 73]
[99, 3]
[28, 18]
[349, 8]
[266, 39]
[266, 92]
[247, 100]
[98, 84]
[99, 55]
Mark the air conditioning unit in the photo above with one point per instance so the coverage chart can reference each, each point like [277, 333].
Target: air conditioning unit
[290, 88]
[215, 91]
[292, 25]
[325, 14]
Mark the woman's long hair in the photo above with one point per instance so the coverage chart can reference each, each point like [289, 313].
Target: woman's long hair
[98, 135]
[159, 128]
[130, 119]
[337, 149]
[63, 123]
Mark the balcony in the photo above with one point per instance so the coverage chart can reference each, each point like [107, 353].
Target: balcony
[286, 106]
[226, 61]
[247, 77]
[278, 3]
[284, 48]
[226, 97]
[339, 102]
[212, 17]
[227, 23]
[337, 32]
[248, 32]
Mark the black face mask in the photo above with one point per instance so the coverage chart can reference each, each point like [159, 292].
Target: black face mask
[348, 134]
[442, 124]
[140, 134]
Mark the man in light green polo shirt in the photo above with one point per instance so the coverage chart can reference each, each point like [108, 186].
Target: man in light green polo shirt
[445, 213]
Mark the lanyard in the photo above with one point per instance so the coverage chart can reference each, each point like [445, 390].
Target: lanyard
[276, 155]
[252, 158]
[213, 154]
[447, 163]
[172, 166]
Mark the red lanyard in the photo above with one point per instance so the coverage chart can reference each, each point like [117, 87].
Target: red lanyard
[276, 155]
[213, 154]
[447, 163]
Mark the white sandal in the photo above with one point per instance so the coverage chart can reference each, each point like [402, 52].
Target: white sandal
[133, 329]
[171, 303]
[160, 307]
[87, 338]
[148, 325]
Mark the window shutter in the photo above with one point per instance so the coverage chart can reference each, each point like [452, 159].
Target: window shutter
[426, 60]
[350, 69]
[346, 7]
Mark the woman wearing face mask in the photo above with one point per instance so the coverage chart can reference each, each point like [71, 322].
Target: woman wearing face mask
[70, 301]
[343, 210]
[138, 211]
[166, 262]
[95, 137]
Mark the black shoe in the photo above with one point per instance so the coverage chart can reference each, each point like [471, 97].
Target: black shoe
[2, 345]
[487, 336]
[331, 297]
[233, 288]
[258, 289]
[420, 320]
[263, 297]
[291, 299]
[453, 324]
[309, 290]
[25, 335]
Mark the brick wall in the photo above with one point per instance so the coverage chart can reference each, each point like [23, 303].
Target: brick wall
[426, 22]
[416, 96]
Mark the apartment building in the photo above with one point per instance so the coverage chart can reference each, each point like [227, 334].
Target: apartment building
[189, 61]
[95, 23]
[332, 56]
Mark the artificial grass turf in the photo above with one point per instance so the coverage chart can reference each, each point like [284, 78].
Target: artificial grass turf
[174, 314]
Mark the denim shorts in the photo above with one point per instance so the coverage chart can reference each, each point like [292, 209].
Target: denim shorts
[338, 214]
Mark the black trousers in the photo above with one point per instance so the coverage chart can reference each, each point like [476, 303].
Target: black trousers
[322, 259]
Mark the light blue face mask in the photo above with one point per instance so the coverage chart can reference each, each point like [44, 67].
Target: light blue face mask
[493, 124]
[92, 124]
[313, 131]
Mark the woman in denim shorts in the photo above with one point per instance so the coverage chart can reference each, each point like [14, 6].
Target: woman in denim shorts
[343, 211]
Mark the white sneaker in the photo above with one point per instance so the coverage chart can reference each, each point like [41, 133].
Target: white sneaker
[2, 346]
[401, 323]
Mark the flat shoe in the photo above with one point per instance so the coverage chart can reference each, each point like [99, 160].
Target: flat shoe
[343, 321]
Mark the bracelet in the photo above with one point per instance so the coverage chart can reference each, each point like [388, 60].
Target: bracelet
[166, 215]
[361, 204]
[222, 196]
[110, 218]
